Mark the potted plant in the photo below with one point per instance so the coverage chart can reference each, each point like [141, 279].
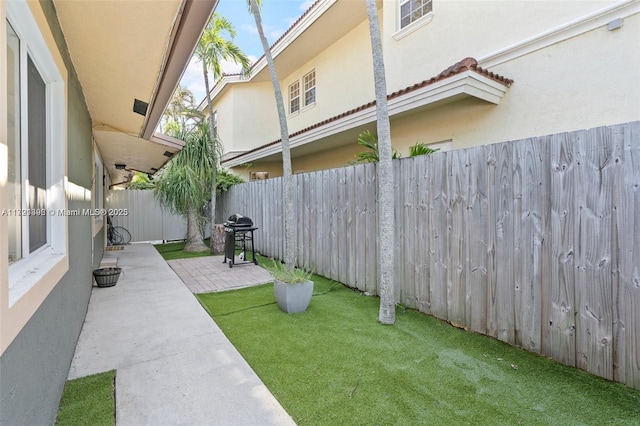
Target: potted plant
[292, 288]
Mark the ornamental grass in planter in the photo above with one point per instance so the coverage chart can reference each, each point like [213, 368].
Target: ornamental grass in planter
[292, 288]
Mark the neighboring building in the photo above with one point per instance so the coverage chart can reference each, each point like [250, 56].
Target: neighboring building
[542, 67]
[82, 88]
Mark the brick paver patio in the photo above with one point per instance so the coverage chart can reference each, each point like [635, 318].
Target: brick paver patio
[209, 274]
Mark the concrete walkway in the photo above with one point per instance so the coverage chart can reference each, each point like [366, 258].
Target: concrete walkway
[174, 365]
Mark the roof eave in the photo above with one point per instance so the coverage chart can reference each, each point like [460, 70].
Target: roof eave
[188, 30]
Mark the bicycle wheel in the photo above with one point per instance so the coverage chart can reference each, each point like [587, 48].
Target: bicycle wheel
[122, 235]
[111, 238]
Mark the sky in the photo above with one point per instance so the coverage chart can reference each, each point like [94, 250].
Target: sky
[277, 17]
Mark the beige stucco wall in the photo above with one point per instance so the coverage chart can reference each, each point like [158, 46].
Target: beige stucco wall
[344, 79]
[583, 82]
[246, 114]
[459, 29]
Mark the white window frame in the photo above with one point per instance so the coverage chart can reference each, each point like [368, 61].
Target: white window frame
[412, 26]
[48, 264]
[308, 89]
[97, 200]
[296, 97]
[215, 124]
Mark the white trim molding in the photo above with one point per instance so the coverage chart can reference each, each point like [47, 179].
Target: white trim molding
[561, 33]
[416, 25]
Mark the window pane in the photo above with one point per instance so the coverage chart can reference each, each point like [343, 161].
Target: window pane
[310, 96]
[310, 88]
[13, 137]
[294, 97]
[412, 10]
[37, 125]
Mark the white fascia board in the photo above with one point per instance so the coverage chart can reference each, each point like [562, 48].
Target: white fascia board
[468, 83]
[166, 140]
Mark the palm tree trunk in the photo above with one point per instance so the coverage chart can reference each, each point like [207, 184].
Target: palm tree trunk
[289, 255]
[194, 240]
[213, 136]
[386, 228]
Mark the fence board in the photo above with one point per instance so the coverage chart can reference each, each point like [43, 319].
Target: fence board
[530, 158]
[626, 233]
[399, 254]
[350, 235]
[560, 340]
[438, 241]
[343, 204]
[456, 241]
[422, 279]
[593, 253]
[409, 180]
[371, 234]
[501, 205]
[323, 222]
[360, 235]
[476, 238]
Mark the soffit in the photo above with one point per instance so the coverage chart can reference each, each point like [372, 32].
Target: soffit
[291, 51]
[126, 50]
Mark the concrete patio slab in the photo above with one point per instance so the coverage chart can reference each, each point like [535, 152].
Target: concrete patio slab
[174, 365]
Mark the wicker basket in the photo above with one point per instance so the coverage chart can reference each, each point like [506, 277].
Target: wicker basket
[107, 277]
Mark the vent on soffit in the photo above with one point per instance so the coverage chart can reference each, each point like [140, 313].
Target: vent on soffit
[168, 154]
[140, 107]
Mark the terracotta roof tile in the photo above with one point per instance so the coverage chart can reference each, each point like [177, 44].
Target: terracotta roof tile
[467, 64]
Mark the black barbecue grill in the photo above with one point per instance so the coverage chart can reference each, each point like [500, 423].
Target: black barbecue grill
[239, 231]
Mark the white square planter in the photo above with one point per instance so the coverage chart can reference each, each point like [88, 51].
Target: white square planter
[292, 298]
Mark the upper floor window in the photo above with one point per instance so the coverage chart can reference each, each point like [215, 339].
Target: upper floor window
[294, 97]
[412, 10]
[309, 81]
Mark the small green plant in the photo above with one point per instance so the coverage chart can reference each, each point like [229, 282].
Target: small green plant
[225, 179]
[370, 141]
[421, 149]
[141, 181]
[281, 273]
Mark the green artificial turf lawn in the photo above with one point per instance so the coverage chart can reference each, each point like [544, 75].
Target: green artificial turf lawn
[88, 401]
[335, 364]
[171, 251]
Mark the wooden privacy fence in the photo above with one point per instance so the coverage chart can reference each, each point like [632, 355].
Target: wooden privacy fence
[140, 214]
[535, 242]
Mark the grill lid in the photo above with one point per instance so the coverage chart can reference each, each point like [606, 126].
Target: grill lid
[237, 220]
